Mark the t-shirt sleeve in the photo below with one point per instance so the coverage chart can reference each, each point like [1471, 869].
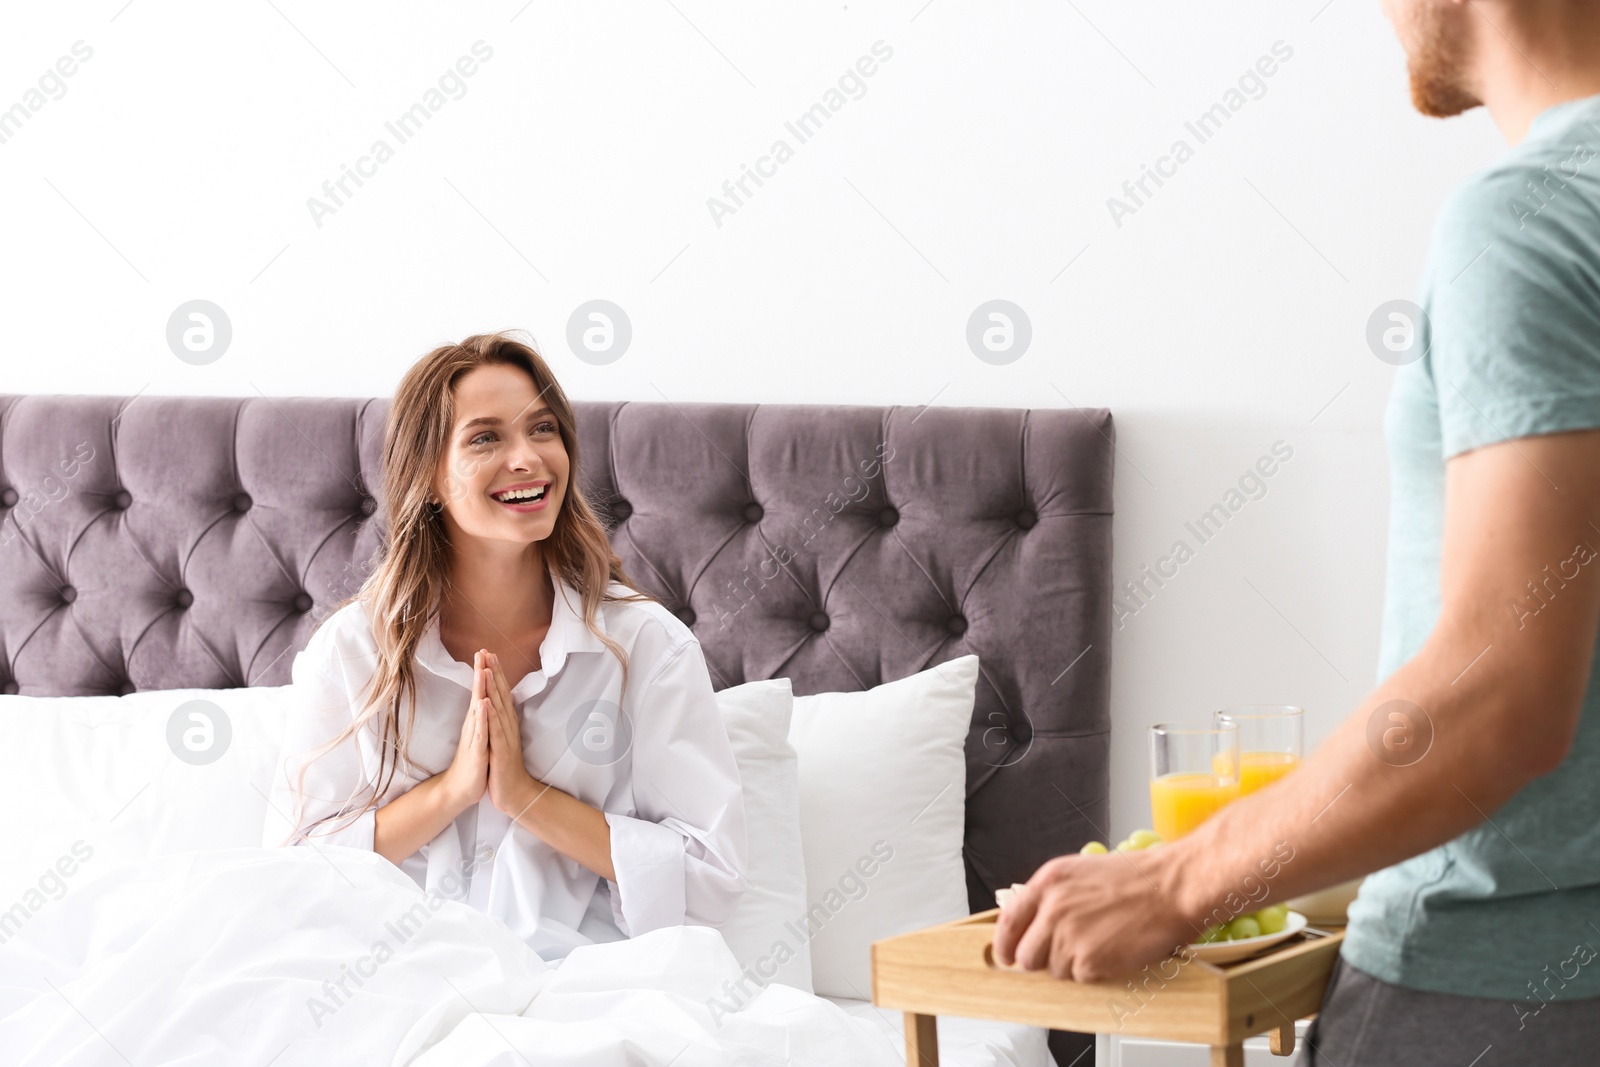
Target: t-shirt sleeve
[327, 678]
[1513, 309]
[680, 858]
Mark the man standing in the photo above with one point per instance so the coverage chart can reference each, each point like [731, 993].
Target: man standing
[1468, 782]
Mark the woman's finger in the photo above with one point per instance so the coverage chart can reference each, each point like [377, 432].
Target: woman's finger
[493, 725]
[508, 705]
[491, 694]
[469, 730]
[498, 679]
[508, 710]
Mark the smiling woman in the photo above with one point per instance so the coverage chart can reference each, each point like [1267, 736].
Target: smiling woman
[499, 583]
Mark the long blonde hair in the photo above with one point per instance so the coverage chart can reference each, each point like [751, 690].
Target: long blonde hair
[405, 591]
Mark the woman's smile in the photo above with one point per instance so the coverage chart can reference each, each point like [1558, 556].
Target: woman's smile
[524, 497]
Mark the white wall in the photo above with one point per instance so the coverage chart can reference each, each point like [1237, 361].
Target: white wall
[1228, 313]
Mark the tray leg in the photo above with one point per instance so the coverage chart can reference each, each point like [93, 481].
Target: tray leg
[1281, 1040]
[1227, 1055]
[922, 1040]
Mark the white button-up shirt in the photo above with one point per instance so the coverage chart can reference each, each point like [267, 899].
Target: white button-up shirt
[662, 771]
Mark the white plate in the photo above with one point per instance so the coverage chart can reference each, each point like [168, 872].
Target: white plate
[1229, 951]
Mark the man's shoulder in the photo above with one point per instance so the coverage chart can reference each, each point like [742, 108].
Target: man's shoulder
[1536, 200]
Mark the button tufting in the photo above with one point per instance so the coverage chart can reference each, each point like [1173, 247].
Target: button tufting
[819, 621]
[621, 509]
[302, 602]
[888, 517]
[241, 502]
[686, 614]
[1026, 518]
[184, 598]
[68, 594]
[8, 497]
[122, 499]
[368, 505]
[10, 688]
[956, 625]
[126, 687]
[753, 512]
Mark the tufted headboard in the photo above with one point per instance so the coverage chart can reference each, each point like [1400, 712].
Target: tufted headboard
[177, 542]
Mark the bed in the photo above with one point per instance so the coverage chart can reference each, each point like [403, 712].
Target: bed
[177, 543]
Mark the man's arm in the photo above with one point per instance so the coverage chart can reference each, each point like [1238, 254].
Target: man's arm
[1501, 685]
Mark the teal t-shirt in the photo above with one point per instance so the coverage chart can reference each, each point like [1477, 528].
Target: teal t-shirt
[1511, 335]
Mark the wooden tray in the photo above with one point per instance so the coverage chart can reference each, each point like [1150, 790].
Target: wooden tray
[949, 969]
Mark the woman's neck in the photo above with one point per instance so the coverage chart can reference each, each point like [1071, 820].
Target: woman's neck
[508, 591]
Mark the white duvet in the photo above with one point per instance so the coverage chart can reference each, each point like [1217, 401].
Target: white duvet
[322, 956]
[135, 931]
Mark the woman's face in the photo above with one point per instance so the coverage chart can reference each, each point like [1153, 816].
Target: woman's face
[505, 438]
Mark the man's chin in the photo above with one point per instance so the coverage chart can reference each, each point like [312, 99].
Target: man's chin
[1440, 100]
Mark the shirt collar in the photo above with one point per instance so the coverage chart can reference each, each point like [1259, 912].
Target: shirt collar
[567, 634]
[1559, 115]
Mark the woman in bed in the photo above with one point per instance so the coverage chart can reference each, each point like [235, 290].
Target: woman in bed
[560, 762]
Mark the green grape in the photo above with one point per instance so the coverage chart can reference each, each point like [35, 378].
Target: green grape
[1144, 838]
[1212, 934]
[1094, 848]
[1273, 919]
[1127, 846]
[1242, 927]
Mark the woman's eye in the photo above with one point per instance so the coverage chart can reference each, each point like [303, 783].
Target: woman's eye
[542, 427]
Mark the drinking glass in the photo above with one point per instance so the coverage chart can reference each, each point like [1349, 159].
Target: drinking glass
[1271, 739]
[1194, 770]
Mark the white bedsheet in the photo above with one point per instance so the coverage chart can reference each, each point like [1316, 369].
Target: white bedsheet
[235, 957]
[962, 1042]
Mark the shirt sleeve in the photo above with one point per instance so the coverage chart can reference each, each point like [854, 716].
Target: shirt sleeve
[681, 858]
[1513, 308]
[327, 678]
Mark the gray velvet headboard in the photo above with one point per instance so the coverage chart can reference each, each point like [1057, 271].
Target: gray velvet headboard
[174, 542]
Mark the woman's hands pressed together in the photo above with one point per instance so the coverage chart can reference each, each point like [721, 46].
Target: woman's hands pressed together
[488, 757]
[417, 816]
[464, 781]
[511, 788]
[489, 760]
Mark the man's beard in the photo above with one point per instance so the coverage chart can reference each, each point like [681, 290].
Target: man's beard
[1437, 64]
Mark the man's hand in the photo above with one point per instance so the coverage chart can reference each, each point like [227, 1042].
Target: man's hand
[1093, 918]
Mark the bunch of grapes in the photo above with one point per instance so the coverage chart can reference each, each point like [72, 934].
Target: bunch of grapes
[1269, 920]
[1136, 842]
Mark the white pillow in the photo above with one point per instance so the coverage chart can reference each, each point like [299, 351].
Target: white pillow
[757, 717]
[101, 781]
[883, 800]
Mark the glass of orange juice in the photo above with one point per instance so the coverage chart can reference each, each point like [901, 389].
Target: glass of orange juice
[1194, 770]
[1271, 739]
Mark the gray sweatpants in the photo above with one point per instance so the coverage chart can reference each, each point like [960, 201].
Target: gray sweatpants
[1366, 1022]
